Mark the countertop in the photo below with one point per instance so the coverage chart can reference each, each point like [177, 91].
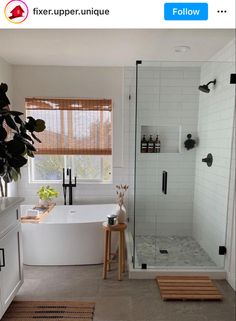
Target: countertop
[7, 202]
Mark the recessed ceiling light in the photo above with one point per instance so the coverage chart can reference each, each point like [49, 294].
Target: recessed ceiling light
[182, 48]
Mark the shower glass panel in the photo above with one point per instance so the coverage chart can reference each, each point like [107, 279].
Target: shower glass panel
[180, 203]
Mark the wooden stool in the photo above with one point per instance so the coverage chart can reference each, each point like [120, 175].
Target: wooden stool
[107, 248]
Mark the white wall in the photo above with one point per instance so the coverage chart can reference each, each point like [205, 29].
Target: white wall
[215, 123]
[167, 96]
[6, 77]
[92, 82]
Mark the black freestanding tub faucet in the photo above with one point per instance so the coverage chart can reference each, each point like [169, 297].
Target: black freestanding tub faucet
[70, 185]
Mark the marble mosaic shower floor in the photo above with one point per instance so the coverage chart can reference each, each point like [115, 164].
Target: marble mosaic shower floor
[182, 251]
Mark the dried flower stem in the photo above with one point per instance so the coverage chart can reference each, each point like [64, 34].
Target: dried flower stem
[120, 192]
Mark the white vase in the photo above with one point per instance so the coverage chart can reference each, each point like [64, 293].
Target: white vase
[43, 203]
[121, 215]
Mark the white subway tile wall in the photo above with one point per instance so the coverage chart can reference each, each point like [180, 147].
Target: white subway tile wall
[215, 126]
[168, 101]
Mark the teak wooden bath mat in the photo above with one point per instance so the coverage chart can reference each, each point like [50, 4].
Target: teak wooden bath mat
[187, 288]
[49, 310]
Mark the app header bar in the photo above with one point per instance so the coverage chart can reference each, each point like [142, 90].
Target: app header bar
[44, 14]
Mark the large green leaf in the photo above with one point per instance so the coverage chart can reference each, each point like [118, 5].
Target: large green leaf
[14, 174]
[2, 166]
[18, 120]
[3, 133]
[30, 153]
[17, 161]
[4, 112]
[31, 120]
[7, 177]
[22, 129]
[22, 139]
[15, 113]
[40, 125]
[26, 136]
[1, 120]
[2, 150]
[30, 124]
[10, 122]
[36, 138]
[15, 147]
[30, 147]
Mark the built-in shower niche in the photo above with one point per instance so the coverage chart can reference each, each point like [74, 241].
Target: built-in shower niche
[170, 137]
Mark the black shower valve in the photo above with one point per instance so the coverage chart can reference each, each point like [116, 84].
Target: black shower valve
[208, 160]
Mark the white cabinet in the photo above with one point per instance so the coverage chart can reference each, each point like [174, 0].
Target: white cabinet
[11, 266]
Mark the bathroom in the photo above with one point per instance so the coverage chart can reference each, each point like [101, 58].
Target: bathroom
[197, 206]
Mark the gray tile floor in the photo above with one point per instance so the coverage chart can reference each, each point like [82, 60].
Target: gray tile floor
[182, 251]
[127, 300]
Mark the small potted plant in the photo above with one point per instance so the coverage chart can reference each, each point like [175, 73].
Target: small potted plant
[46, 195]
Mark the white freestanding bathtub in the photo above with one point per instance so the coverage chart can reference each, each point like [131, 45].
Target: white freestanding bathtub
[69, 235]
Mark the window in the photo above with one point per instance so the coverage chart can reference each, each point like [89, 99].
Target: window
[78, 135]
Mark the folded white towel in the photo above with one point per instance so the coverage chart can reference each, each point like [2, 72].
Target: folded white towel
[32, 213]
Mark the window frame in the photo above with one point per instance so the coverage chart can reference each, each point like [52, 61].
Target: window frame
[32, 180]
[31, 166]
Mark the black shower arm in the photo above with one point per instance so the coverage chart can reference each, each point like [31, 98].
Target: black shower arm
[211, 82]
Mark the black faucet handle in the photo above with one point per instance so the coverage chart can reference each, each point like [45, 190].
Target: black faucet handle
[208, 160]
[73, 184]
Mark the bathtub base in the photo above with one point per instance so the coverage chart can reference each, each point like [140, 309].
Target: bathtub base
[65, 238]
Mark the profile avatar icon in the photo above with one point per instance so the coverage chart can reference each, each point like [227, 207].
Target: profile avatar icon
[17, 12]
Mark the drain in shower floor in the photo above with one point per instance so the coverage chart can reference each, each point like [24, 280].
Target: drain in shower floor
[163, 251]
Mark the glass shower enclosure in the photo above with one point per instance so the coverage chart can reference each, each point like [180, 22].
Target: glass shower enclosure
[180, 199]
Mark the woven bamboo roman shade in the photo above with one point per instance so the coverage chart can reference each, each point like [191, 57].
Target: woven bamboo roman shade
[73, 126]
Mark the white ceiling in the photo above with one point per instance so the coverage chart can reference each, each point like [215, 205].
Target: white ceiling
[107, 47]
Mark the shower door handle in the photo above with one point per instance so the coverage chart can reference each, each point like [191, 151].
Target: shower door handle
[2, 262]
[164, 182]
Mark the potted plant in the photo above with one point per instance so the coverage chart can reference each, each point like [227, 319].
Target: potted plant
[46, 195]
[17, 139]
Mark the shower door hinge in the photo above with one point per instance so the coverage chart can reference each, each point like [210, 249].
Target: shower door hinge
[144, 266]
[132, 259]
[130, 97]
[233, 78]
[222, 250]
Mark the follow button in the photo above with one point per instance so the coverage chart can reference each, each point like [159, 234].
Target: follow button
[185, 11]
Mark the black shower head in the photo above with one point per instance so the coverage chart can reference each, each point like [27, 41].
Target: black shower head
[204, 88]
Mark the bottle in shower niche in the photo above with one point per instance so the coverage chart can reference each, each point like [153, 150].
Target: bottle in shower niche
[144, 145]
[157, 145]
[150, 145]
